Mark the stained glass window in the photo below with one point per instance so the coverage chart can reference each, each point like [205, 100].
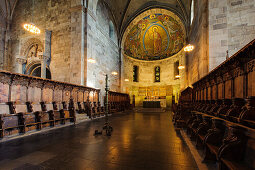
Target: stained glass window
[135, 73]
[157, 74]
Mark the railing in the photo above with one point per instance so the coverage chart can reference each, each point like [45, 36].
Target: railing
[30, 103]
[118, 101]
[21, 88]
[234, 78]
[219, 112]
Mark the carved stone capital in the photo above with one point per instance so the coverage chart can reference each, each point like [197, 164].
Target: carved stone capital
[5, 79]
[250, 66]
[20, 60]
[43, 56]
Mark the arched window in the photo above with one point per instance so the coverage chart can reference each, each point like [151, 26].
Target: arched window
[192, 11]
[135, 73]
[176, 70]
[157, 74]
[111, 30]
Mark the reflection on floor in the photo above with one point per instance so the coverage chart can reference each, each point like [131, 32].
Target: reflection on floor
[139, 141]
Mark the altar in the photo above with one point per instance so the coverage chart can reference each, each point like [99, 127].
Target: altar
[151, 104]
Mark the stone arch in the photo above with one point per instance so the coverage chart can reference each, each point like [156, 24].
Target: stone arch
[106, 20]
[147, 13]
[34, 69]
[27, 45]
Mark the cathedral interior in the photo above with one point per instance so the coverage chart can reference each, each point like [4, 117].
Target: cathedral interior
[127, 84]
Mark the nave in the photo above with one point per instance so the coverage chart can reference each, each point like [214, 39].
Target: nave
[138, 141]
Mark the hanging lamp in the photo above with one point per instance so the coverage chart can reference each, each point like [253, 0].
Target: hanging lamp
[189, 48]
[31, 27]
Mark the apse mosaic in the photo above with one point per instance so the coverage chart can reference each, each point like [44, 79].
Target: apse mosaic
[155, 37]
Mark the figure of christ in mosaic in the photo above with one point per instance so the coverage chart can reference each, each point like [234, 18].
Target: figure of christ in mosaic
[157, 41]
[155, 37]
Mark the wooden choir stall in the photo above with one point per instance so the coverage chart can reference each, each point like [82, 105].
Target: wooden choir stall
[219, 112]
[31, 103]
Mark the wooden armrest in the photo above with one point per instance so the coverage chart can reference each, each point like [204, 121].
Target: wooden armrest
[233, 165]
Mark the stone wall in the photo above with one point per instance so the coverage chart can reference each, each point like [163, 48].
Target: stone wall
[2, 34]
[231, 26]
[78, 34]
[146, 77]
[168, 86]
[53, 16]
[198, 60]
[102, 47]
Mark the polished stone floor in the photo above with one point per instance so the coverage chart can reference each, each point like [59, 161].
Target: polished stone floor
[139, 141]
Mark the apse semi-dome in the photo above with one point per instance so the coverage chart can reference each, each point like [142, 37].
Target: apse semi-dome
[157, 36]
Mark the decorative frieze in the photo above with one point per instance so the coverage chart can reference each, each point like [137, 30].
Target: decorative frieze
[250, 66]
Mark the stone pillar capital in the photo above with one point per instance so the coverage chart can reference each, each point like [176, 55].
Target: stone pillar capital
[20, 60]
[43, 56]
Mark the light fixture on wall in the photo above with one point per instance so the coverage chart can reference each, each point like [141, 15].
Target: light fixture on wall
[114, 73]
[126, 80]
[30, 26]
[180, 67]
[189, 48]
[91, 60]
[177, 76]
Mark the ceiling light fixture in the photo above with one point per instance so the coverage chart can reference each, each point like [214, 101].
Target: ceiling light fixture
[30, 26]
[114, 73]
[91, 60]
[180, 67]
[189, 48]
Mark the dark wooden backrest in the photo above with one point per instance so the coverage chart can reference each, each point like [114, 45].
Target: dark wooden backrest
[29, 107]
[10, 121]
[11, 107]
[43, 106]
[64, 104]
[55, 106]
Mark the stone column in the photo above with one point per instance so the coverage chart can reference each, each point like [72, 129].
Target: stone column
[46, 54]
[19, 65]
[44, 59]
[47, 44]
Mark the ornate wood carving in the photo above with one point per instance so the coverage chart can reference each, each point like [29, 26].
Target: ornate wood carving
[250, 66]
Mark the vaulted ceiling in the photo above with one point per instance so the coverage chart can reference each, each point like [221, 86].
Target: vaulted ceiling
[6, 10]
[124, 11]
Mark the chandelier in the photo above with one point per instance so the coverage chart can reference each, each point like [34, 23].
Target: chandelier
[114, 73]
[180, 67]
[32, 28]
[189, 48]
[91, 60]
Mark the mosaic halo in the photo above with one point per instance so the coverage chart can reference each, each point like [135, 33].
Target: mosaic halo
[157, 36]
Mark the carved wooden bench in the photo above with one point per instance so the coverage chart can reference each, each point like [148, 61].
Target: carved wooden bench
[81, 109]
[30, 119]
[70, 114]
[235, 110]
[46, 118]
[88, 109]
[232, 152]
[100, 109]
[214, 138]
[9, 124]
[247, 117]
[223, 109]
[202, 130]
